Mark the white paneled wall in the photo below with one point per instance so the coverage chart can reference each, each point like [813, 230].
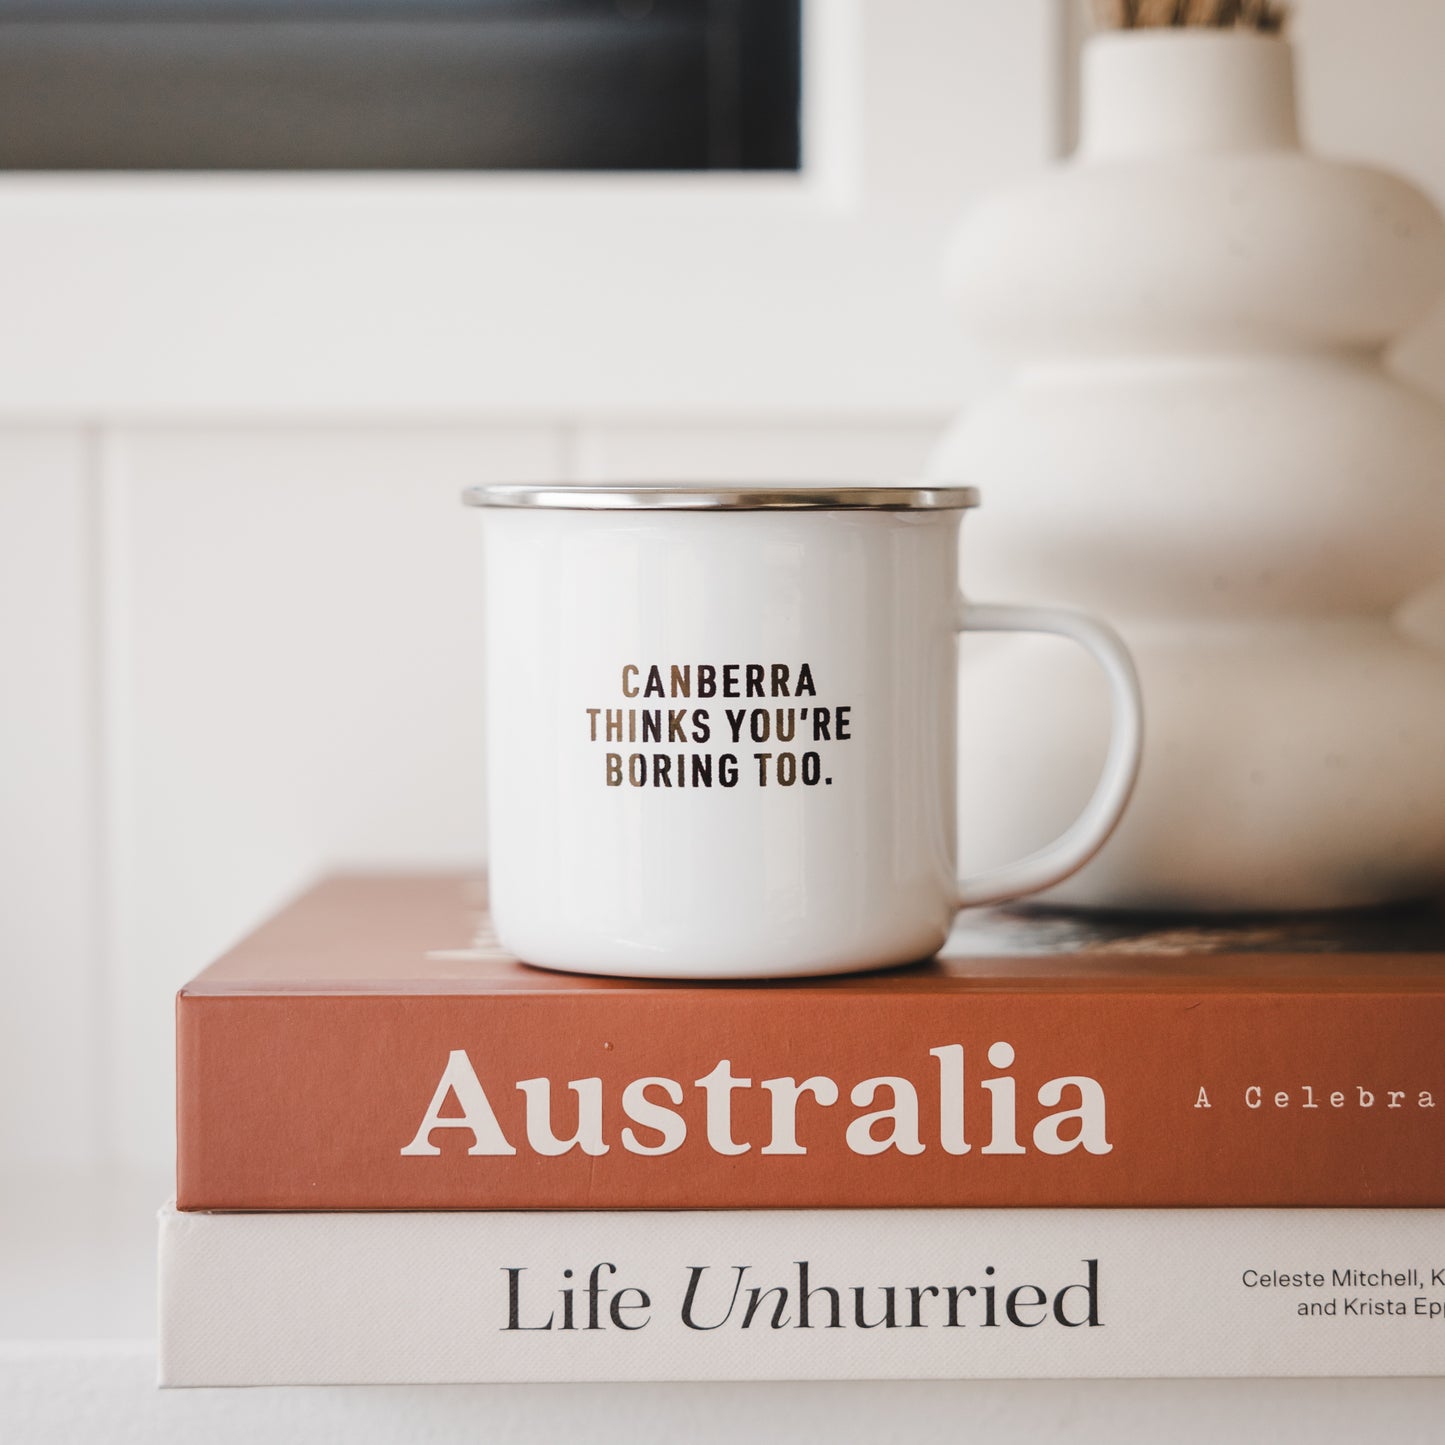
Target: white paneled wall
[238, 640]
[1370, 85]
[1370, 89]
[294, 618]
[843, 451]
[444, 295]
[53, 964]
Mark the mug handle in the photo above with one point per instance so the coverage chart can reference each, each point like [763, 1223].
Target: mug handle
[1083, 838]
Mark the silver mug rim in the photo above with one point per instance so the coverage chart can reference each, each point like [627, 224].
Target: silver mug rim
[715, 497]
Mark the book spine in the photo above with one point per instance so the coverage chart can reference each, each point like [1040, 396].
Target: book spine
[802, 1295]
[745, 1098]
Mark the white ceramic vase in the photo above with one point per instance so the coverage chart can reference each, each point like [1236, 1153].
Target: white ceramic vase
[1200, 442]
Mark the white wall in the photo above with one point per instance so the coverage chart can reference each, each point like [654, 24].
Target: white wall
[239, 604]
[240, 639]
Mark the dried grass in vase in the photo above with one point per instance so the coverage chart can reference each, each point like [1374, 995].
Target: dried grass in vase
[1265, 16]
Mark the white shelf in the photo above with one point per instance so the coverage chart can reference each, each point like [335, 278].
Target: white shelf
[77, 1364]
[86, 1391]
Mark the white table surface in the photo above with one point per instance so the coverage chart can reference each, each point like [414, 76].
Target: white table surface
[77, 1365]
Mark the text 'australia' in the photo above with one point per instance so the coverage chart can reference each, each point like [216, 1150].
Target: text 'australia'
[648, 1117]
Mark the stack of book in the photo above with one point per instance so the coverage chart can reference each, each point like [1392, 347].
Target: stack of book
[1063, 1148]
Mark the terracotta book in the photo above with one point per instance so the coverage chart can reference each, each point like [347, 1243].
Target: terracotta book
[372, 1048]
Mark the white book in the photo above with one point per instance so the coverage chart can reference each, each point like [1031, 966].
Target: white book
[270, 1299]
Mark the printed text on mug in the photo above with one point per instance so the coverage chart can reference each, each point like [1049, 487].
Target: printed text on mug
[763, 714]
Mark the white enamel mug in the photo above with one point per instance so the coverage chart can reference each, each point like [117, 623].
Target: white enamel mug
[721, 728]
